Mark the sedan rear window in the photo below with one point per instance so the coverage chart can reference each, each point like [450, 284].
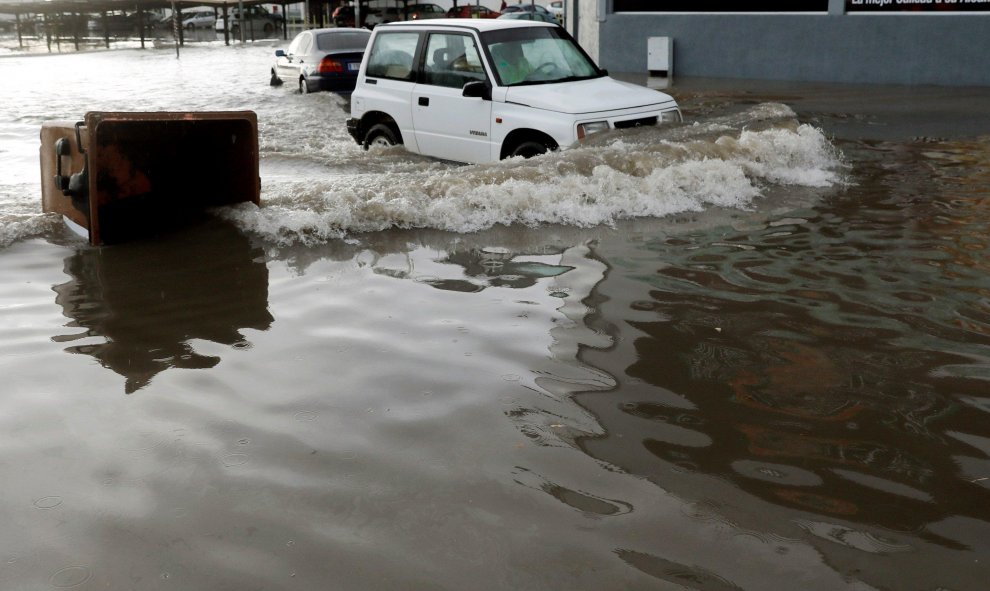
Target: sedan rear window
[347, 40]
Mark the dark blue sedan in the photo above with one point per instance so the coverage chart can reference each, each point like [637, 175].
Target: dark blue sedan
[322, 59]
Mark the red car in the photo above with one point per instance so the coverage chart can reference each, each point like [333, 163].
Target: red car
[343, 16]
[472, 11]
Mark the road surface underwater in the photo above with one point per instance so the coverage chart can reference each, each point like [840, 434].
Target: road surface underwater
[751, 351]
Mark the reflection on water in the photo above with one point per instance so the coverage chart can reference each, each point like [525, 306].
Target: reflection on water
[831, 365]
[141, 304]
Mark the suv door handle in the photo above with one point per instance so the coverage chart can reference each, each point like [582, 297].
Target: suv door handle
[424, 101]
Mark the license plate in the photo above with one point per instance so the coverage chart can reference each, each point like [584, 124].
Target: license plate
[354, 67]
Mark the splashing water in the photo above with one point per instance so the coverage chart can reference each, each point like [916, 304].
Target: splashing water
[647, 173]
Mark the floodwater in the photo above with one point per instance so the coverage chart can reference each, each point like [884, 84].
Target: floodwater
[748, 352]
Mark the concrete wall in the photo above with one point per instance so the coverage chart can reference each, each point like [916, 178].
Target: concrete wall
[586, 30]
[941, 49]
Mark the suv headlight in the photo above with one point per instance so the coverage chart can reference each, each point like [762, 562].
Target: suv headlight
[586, 129]
[671, 116]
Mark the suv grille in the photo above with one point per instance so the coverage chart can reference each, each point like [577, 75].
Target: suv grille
[645, 121]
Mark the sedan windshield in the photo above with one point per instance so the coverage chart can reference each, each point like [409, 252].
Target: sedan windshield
[537, 55]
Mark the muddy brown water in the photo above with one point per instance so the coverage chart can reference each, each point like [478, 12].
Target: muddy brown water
[747, 353]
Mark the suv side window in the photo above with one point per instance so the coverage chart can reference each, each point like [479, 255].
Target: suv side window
[452, 60]
[392, 56]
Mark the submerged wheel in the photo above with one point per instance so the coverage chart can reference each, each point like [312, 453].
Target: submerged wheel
[303, 87]
[530, 148]
[275, 81]
[380, 135]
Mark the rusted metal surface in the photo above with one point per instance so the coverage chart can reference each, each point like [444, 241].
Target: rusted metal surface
[120, 175]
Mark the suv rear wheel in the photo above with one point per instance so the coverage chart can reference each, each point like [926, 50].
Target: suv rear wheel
[380, 135]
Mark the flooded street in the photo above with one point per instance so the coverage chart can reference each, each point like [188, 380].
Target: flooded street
[749, 352]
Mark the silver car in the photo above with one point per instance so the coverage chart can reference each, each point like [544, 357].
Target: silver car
[259, 21]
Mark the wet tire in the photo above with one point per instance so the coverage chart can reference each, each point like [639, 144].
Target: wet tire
[380, 135]
[303, 87]
[275, 81]
[268, 28]
[530, 148]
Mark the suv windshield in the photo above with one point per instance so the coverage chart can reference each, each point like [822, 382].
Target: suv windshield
[537, 55]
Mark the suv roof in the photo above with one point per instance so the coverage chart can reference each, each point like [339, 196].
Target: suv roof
[478, 24]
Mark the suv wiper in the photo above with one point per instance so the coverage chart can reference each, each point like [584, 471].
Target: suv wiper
[576, 78]
[555, 80]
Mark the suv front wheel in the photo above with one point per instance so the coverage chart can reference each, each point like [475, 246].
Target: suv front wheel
[530, 148]
[527, 143]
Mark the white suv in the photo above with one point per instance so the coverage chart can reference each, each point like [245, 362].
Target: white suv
[480, 90]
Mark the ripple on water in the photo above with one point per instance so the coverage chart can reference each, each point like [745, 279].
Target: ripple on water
[306, 416]
[232, 460]
[70, 576]
[49, 502]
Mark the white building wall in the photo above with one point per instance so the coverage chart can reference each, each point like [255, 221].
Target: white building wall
[589, 12]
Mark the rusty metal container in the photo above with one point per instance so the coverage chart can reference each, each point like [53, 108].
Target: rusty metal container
[118, 176]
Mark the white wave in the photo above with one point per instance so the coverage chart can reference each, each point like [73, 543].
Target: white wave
[20, 215]
[648, 173]
[21, 227]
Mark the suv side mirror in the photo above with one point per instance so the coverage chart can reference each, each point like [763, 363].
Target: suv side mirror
[279, 53]
[477, 89]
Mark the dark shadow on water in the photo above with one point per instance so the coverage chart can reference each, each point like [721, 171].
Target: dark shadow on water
[148, 299]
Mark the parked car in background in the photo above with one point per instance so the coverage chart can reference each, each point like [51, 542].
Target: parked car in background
[380, 16]
[527, 7]
[321, 59]
[158, 23]
[259, 22]
[482, 90]
[526, 15]
[472, 11]
[556, 8]
[424, 11]
[114, 23]
[343, 16]
[8, 23]
[199, 17]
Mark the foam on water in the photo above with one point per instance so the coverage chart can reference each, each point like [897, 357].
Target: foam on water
[727, 162]
[20, 215]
